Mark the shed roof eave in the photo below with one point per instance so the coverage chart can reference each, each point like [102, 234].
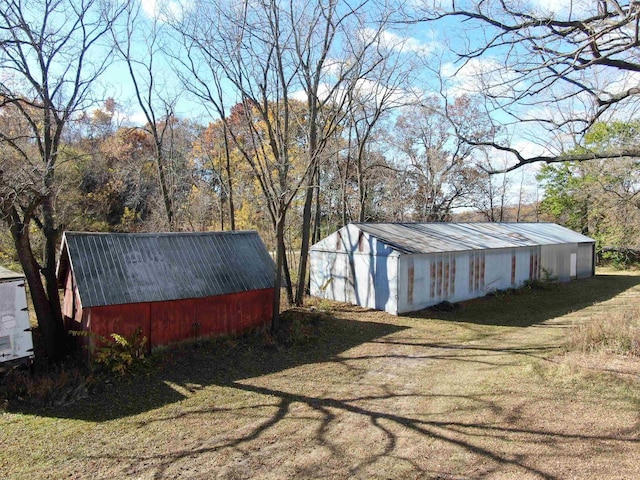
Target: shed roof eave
[169, 300]
[394, 252]
[7, 275]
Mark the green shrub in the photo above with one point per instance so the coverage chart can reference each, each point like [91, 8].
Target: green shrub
[546, 281]
[117, 354]
[620, 259]
[122, 353]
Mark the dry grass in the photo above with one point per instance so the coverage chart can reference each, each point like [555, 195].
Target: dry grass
[485, 392]
[617, 333]
[58, 386]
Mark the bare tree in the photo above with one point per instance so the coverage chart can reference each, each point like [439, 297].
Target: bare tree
[245, 47]
[380, 86]
[330, 36]
[268, 53]
[440, 169]
[51, 53]
[138, 43]
[563, 67]
[490, 192]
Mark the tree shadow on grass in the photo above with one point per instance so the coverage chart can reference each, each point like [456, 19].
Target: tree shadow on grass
[306, 339]
[530, 306]
[473, 437]
[238, 364]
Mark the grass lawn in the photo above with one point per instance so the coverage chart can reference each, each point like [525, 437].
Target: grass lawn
[485, 391]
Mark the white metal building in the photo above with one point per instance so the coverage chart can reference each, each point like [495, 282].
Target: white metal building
[16, 344]
[403, 267]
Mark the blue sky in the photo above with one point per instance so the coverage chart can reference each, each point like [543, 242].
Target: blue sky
[431, 43]
[424, 41]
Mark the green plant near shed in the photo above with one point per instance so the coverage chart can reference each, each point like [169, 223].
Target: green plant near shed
[118, 354]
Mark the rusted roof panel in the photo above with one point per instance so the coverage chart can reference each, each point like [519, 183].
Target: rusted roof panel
[120, 268]
[450, 237]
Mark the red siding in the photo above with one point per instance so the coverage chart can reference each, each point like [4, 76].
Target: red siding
[172, 321]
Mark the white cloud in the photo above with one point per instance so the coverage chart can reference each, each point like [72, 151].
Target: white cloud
[369, 92]
[324, 89]
[529, 149]
[136, 119]
[478, 75]
[566, 9]
[392, 41]
[372, 93]
[164, 10]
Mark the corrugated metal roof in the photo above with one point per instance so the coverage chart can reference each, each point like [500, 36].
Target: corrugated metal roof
[450, 237]
[6, 274]
[120, 268]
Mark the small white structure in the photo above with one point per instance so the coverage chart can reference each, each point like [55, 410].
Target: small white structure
[404, 267]
[16, 343]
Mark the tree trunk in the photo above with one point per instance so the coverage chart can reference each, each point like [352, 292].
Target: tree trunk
[344, 178]
[49, 270]
[318, 216]
[362, 191]
[306, 234]
[227, 154]
[280, 254]
[168, 206]
[287, 277]
[49, 317]
[221, 212]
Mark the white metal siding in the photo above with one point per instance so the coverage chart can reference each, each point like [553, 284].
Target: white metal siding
[436, 277]
[329, 275]
[384, 270]
[354, 266]
[585, 260]
[556, 261]
[359, 279]
[16, 343]
[468, 275]
[498, 270]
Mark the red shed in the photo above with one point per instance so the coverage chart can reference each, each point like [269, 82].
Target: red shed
[172, 286]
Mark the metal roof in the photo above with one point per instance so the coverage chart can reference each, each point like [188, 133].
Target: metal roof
[120, 268]
[6, 274]
[450, 237]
